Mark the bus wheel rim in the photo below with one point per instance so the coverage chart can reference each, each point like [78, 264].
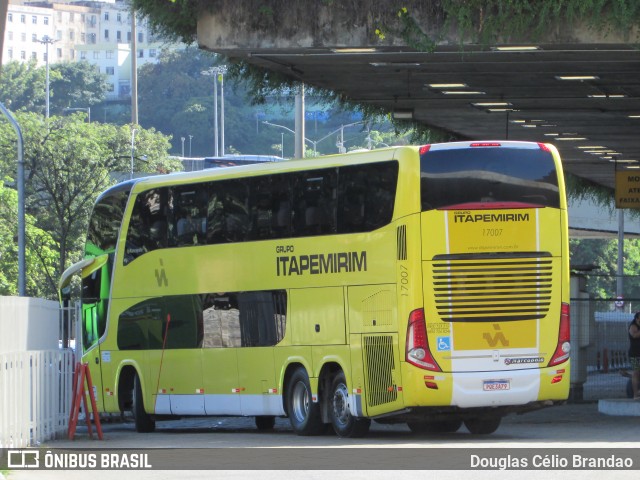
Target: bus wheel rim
[300, 402]
[340, 405]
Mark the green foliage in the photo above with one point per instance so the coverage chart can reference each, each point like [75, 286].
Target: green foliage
[22, 86]
[69, 163]
[75, 84]
[40, 254]
[603, 255]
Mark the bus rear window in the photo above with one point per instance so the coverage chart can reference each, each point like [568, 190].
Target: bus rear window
[453, 177]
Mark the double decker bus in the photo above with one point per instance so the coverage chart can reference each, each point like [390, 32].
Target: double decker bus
[423, 285]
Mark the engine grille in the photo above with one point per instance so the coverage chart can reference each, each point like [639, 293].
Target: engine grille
[379, 365]
[492, 287]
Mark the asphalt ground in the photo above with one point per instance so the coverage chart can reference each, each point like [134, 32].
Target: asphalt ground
[572, 427]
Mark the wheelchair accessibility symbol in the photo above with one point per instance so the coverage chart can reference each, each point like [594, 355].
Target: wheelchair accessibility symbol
[444, 343]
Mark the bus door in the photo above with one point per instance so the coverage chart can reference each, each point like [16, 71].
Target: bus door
[221, 334]
[175, 356]
[261, 317]
[96, 281]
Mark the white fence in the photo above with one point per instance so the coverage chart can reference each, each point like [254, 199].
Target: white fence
[35, 396]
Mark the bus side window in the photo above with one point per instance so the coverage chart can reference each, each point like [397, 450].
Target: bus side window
[148, 226]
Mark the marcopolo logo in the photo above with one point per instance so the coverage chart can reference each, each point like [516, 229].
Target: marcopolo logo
[525, 360]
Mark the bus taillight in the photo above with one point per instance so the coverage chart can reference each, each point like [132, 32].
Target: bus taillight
[563, 349]
[417, 347]
[424, 149]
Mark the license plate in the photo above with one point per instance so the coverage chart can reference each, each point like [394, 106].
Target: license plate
[492, 385]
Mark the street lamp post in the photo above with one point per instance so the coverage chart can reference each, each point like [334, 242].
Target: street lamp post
[339, 144]
[47, 41]
[182, 138]
[217, 74]
[190, 138]
[133, 136]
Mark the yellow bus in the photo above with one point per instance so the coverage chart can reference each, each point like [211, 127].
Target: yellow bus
[421, 285]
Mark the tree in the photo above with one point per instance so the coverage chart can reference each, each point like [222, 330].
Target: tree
[76, 84]
[69, 162]
[22, 87]
[71, 85]
[603, 255]
[40, 250]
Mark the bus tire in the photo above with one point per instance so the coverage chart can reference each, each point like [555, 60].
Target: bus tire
[265, 422]
[143, 421]
[304, 414]
[434, 426]
[344, 424]
[483, 425]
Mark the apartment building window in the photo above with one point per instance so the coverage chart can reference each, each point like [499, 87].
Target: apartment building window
[106, 16]
[119, 17]
[140, 37]
[140, 53]
[34, 20]
[96, 55]
[23, 55]
[92, 38]
[9, 36]
[93, 20]
[106, 34]
[152, 52]
[23, 37]
[23, 19]
[110, 87]
[10, 53]
[83, 55]
[34, 55]
[59, 52]
[72, 17]
[45, 20]
[83, 37]
[10, 17]
[72, 54]
[118, 35]
[59, 16]
[59, 34]
[34, 37]
[83, 18]
[110, 71]
[128, 36]
[72, 35]
[108, 54]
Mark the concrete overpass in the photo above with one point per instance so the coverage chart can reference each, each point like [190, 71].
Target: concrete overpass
[576, 87]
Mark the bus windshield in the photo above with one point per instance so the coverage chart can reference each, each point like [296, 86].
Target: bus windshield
[481, 175]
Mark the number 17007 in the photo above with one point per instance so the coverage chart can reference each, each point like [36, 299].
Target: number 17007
[491, 232]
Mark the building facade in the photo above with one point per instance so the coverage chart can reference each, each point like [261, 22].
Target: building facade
[68, 31]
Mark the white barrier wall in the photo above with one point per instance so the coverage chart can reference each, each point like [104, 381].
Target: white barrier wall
[28, 324]
[35, 374]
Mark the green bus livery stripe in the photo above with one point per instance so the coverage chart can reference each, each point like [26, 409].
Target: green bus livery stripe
[321, 263]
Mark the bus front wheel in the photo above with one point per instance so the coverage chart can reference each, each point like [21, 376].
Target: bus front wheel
[483, 425]
[344, 424]
[144, 422]
[304, 414]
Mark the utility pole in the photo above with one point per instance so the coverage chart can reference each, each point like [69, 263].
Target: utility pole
[134, 69]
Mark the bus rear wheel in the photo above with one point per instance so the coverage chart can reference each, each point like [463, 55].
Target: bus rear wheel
[344, 424]
[143, 421]
[483, 425]
[304, 414]
[435, 426]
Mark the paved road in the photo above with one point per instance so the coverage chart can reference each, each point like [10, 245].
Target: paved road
[570, 426]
